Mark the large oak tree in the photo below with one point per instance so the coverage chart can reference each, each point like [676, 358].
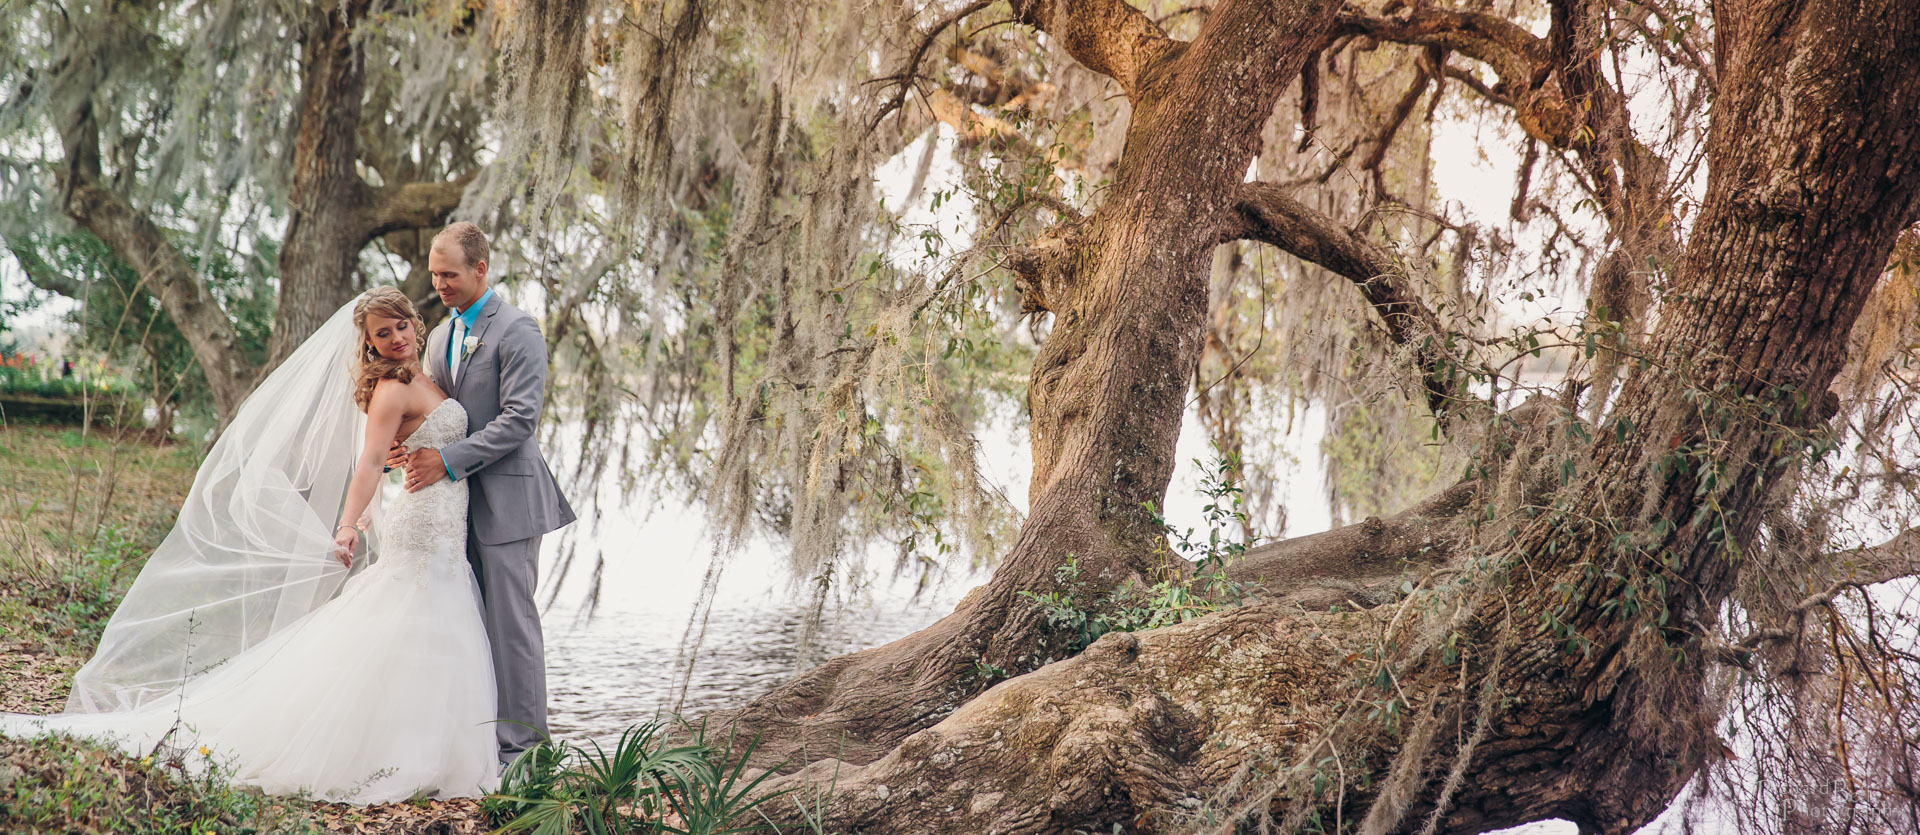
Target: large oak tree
[1568, 662]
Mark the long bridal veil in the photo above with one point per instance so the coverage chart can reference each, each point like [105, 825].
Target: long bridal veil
[252, 549]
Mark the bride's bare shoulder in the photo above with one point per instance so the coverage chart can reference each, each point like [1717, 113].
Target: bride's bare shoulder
[391, 397]
[425, 396]
[429, 392]
[392, 390]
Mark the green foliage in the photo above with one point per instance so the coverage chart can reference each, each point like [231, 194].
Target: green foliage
[39, 378]
[123, 322]
[67, 608]
[1224, 511]
[93, 583]
[988, 671]
[57, 784]
[713, 805]
[1176, 599]
[646, 784]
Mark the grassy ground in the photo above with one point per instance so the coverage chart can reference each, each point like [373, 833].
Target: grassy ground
[57, 785]
[79, 512]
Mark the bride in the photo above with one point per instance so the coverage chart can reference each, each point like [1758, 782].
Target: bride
[245, 640]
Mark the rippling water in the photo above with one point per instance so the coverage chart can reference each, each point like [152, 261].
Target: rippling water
[618, 668]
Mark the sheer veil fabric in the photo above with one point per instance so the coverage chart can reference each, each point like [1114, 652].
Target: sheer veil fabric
[252, 548]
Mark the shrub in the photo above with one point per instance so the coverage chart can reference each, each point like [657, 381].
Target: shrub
[646, 784]
[1177, 598]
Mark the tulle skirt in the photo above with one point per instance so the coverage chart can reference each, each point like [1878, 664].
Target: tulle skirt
[383, 694]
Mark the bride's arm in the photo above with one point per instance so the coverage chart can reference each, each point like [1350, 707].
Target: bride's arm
[384, 413]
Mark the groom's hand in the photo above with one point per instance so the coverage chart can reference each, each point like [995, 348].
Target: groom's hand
[424, 467]
[396, 456]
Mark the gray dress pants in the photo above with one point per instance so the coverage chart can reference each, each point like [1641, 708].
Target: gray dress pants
[507, 577]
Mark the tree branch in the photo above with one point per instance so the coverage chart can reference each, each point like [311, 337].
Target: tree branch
[43, 275]
[1513, 52]
[1109, 37]
[1264, 212]
[1365, 562]
[1001, 87]
[415, 205]
[1890, 560]
[143, 245]
[1361, 561]
[1402, 109]
[904, 78]
[1893, 559]
[1474, 83]
[1560, 96]
[1557, 97]
[974, 127]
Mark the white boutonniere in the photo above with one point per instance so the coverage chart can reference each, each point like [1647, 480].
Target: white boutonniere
[468, 346]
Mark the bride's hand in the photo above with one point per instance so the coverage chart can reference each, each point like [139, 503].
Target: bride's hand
[344, 539]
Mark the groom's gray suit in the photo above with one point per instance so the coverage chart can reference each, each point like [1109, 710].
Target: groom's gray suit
[511, 500]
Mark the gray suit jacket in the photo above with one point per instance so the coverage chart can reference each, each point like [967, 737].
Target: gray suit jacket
[511, 495]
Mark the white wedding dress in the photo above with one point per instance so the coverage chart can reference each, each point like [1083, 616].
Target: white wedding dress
[382, 693]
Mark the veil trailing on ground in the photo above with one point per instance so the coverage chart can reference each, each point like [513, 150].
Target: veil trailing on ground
[252, 549]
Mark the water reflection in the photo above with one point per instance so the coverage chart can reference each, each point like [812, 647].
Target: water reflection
[619, 669]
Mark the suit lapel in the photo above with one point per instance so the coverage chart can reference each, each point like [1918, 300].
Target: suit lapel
[478, 332]
[437, 354]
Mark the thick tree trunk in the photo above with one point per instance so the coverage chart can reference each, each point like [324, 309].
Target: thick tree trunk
[1811, 155]
[1580, 685]
[1127, 288]
[325, 223]
[334, 212]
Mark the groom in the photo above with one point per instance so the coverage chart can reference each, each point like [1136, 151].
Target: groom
[490, 356]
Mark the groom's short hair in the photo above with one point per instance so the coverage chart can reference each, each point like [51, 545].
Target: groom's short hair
[467, 237]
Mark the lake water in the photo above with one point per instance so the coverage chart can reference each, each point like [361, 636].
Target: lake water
[618, 668]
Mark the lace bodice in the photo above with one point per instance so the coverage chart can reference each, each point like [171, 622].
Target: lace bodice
[443, 425]
[417, 528]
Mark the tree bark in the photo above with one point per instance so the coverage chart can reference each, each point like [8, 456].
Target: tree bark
[334, 212]
[1580, 688]
[325, 221]
[1127, 288]
[1811, 179]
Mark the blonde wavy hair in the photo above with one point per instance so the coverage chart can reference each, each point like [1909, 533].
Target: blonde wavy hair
[370, 367]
